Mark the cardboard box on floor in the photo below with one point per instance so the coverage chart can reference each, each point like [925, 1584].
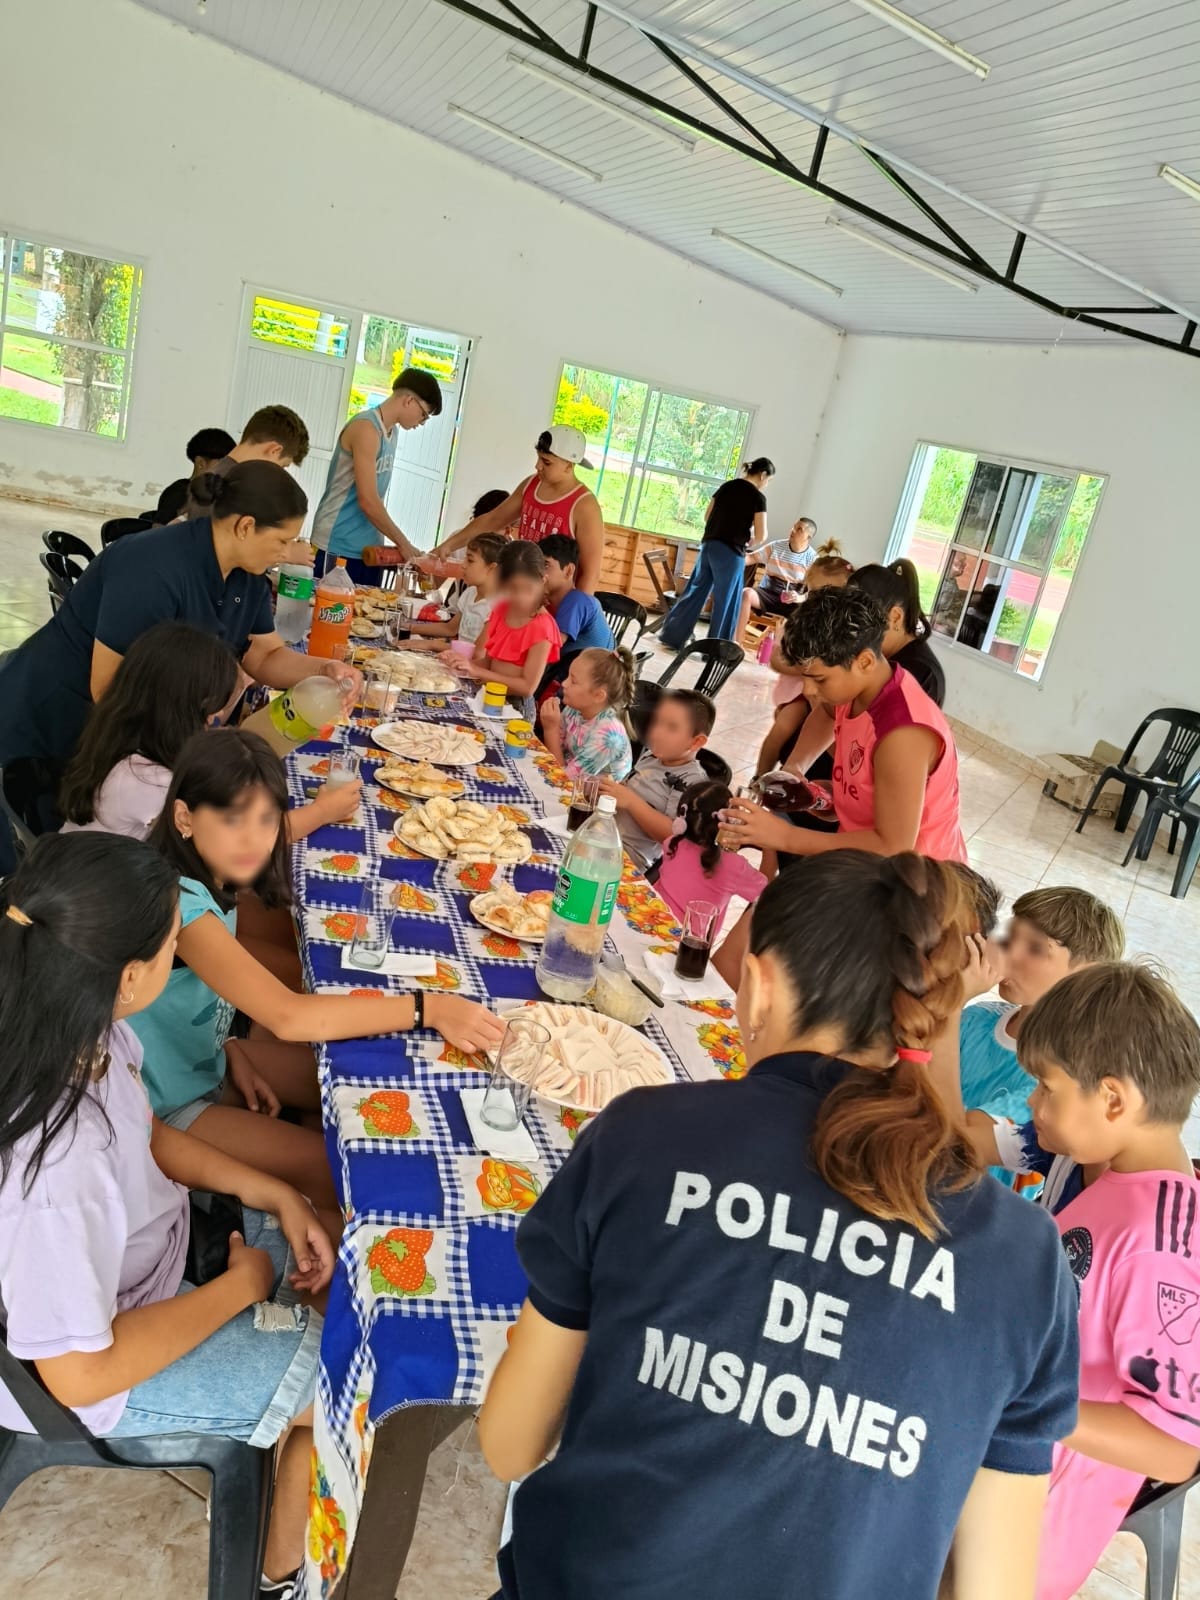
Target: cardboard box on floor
[1072, 779]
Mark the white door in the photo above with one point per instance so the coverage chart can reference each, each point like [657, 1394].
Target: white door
[300, 356]
[421, 474]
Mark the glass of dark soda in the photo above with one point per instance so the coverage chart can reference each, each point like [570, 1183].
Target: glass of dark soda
[789, 793]
[699, 925]
[583, 801]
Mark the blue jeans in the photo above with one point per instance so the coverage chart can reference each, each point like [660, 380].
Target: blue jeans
[719, 571]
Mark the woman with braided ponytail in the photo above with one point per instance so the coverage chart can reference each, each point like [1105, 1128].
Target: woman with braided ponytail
[782, 1323]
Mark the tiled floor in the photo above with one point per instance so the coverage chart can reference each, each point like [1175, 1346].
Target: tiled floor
[143, 1534]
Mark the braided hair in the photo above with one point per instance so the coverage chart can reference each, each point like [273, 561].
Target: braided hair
[873, 947]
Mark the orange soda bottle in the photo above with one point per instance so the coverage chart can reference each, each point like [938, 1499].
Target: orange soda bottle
[333, 613]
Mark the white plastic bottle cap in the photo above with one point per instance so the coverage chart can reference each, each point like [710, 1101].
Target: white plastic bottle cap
[606, 805]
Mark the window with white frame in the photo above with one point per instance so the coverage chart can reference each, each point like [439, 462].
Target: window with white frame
[657, 456]
[996, 544]
[67, 324]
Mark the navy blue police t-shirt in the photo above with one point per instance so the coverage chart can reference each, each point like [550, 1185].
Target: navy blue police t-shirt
[164, 575]
[780, 1396]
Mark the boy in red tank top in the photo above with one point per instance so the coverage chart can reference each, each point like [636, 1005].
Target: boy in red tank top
[551, 500]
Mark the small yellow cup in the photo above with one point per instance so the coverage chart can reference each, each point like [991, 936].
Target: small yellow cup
[494, 697]
[517, 736]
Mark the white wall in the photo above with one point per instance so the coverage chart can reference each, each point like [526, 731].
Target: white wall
[217, 171]
[1126, 642]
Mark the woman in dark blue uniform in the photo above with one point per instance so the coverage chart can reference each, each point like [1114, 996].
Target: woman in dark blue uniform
[208, 572]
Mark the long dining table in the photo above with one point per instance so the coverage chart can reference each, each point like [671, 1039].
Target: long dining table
[427, 1284]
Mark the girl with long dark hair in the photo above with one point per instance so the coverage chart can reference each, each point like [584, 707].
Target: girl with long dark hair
[897, 587]
[94, 1215]
[222, 831]
[175, 681]
[783, 1324]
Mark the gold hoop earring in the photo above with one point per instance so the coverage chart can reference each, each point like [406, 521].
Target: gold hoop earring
[126, 999]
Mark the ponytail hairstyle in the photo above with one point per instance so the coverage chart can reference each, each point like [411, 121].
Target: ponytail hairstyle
[700, 806]
[614, 671]
[759, 467]
[78, 910]
[873, 947]
[487, 546]
[520, 558]
[896, 585]
[830, 565]
[222, 769]
[260, 490]
[173, 679]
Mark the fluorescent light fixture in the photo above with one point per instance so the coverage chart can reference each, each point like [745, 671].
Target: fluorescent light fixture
[531, 145]
[776, 261]
[890, 249]
[923, 35]
[1185, 185]
[634, 118]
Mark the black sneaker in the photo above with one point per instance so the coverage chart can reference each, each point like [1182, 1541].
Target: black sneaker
[278, 1588]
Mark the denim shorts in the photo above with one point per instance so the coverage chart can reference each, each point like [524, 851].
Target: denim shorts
[183, 1116]
[242, 1382]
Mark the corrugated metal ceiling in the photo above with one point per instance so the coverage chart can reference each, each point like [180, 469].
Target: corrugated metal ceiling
[1082, 105]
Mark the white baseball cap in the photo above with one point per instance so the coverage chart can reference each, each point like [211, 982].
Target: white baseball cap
[567, 443]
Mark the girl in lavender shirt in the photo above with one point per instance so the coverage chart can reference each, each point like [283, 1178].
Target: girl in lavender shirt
[173, 682]
[94, 1216]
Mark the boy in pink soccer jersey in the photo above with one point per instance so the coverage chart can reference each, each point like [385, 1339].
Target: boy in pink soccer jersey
[1116, 1055]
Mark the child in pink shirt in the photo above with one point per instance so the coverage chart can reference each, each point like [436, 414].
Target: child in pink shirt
[1116, 1055]
[695, 867]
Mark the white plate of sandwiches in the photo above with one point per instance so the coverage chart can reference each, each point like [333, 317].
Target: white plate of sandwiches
[519, 916]
[464, 831]
[591, 1058]
[364, 628]
[438, 742]
[419, 780]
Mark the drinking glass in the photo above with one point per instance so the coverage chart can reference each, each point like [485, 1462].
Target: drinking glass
[343, 765]
[730, 838]
[510, 1086]
[378, 696]
[699, 921]
[583, 801]
[373, 926]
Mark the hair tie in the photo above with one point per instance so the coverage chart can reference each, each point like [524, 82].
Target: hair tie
[922, 1057]
[19, 917]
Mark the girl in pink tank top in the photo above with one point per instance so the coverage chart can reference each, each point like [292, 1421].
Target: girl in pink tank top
[906, 799]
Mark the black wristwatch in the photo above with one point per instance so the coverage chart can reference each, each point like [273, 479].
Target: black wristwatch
[419, 1009]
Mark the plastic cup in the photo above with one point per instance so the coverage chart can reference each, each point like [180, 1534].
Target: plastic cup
[343, 766]
[510, 1086]
[373, 927]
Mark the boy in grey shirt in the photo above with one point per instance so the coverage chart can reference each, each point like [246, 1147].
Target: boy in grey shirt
[647, 802]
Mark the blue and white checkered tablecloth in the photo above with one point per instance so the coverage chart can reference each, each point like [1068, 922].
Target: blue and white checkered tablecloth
[416, 1192]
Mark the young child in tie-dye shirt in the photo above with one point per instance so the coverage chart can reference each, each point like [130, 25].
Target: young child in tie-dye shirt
[587, 732]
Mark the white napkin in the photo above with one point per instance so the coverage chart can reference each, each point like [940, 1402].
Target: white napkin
[507, 712]
[711, 986]
[554, 822]
[396, 965]
[516, 1145]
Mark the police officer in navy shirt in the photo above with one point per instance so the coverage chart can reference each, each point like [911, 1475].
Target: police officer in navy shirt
[804, 1349]
[208, 572]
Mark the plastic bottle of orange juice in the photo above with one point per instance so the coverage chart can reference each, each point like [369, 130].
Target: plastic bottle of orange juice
[333, 613]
